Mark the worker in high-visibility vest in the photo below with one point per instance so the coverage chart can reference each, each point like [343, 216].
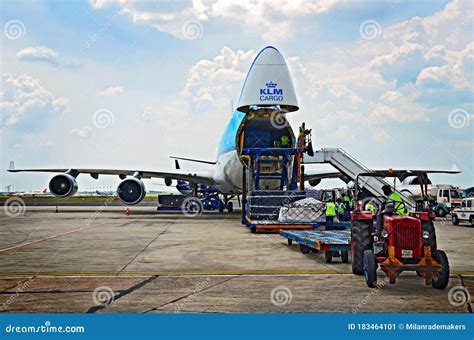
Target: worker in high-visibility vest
[347, 206]
[340, 210]
[370, 207]
[399, 207]
[330, 213]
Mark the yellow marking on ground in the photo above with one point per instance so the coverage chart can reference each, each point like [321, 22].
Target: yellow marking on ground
[152, 273]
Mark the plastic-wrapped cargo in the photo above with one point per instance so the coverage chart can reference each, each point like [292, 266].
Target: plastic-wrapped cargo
[307, 210]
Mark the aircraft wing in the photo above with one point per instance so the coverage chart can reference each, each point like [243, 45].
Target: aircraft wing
[322, 175]
[199, 177]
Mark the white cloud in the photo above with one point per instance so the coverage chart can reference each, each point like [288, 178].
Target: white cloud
[111, 91]
[273, 19]
[25, 99]
[44, 54]
[457, 71]
[84, 132]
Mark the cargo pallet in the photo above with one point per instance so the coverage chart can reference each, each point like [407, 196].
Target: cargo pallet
[335, 243]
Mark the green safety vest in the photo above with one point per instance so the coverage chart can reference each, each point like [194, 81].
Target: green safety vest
[330, 209]
[284, 140]
[370, 207]
[340, 208]
[346, 198]
[397, 200]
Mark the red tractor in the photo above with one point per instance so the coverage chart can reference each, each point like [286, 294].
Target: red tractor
[398, 242]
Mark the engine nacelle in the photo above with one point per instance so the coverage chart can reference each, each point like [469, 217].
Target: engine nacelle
[63, 185]
[131, 191]
[314, 182]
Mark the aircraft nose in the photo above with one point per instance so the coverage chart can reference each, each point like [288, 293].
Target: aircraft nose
[268, 83]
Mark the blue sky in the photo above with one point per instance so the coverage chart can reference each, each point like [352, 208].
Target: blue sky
[124, 85]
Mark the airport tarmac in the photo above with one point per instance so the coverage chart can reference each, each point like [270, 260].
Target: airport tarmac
[97, 260]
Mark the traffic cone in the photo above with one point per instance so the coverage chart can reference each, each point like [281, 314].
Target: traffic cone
[127, 212]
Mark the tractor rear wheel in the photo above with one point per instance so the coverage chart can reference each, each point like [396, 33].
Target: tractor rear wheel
[441, 281]
[370, 268]
[361, 241]
[345, 256]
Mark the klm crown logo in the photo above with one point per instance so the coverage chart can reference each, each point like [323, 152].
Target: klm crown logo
[271, 85]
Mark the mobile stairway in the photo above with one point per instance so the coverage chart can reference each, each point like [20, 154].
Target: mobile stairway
[351, 168]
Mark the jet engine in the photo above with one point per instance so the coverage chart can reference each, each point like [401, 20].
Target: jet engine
[63, 185]
[131, 191]
[314, 182]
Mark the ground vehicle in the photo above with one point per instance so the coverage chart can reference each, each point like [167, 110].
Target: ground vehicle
[465, 213]
[398, 243]
[447, 199]
[443, 197]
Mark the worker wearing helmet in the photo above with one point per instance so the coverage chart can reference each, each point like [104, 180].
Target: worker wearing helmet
[330, 213]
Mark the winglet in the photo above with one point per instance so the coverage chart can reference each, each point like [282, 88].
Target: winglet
[12, 165]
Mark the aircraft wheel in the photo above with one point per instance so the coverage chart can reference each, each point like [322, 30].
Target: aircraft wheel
[230, 207]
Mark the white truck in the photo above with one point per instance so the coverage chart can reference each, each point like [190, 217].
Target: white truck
[465, 213]
[443, 197]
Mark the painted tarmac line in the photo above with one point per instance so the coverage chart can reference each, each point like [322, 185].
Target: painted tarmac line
[25, 244]
[204, 273]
